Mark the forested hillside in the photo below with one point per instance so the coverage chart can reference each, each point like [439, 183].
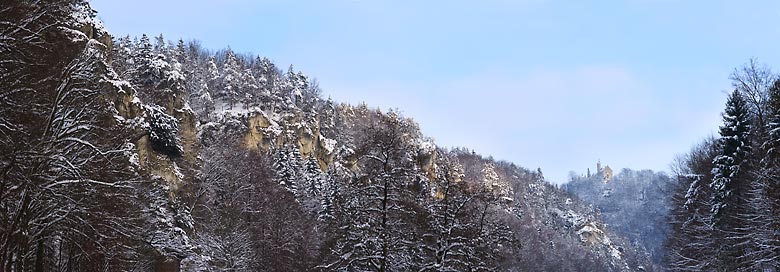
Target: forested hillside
[122, 153]
[726, 205]
[139, 154]
[634, 204]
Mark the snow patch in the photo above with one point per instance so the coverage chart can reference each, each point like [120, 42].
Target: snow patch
[328, 144]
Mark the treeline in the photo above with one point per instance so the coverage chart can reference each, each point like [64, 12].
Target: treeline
[726, 209]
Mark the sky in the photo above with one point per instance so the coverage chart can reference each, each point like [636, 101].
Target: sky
[552, 84]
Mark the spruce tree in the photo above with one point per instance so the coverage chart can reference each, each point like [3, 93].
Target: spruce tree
[729, 165]
[159, 44]
[287, 165]
[142, 60]
[231, 78]
[772, 144]
[731, 184]
[765, 194]
[181, 52]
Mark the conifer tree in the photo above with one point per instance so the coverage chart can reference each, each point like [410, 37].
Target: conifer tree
[731, 184]
[159, 44]
[772, 144]
[730, 167]
[142, 60]
[765, 194]
[181, 52]
[287, 165]
[231, 78]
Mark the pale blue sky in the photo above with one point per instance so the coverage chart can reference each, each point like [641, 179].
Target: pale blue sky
[542, 83]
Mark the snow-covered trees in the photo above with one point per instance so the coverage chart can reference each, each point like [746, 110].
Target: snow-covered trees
[634, 203]
[772, 143]
[690, 244]
[452, 232]
[731, 181]
[114, 171]
[142, 62]
[711, 224]
[730, 166]
[374, 214]
[247, 220]
[66, 194]
[231, 79]
[739, 230]
[288, 166]
[163, 131]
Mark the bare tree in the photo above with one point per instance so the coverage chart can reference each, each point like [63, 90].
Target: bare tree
[753, 80]
[66, 183]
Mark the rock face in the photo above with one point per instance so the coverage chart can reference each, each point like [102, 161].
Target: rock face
[132, 112]
[267, 131]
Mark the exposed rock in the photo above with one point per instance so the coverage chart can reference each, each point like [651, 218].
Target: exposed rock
[254, 138]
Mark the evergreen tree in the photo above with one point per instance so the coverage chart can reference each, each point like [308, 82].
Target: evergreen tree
[142, 60]
[772, 144]
[231, 79]
[212, 73]
[159, 45]
[181, 52]
[731, 184]
[730, 167]
[249, 89]
[287, 165]
[765, 195]
[313, 176]
[122, 56]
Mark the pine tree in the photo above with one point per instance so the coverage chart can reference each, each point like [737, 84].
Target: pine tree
[159, 45]
[730, 167]
[231, 79]
[142, 60]
[287, 164]
[122, 56]
[731, 184]
[772, 144]
[313, 176]
[181, 52]
[765, 195]
[249, 89]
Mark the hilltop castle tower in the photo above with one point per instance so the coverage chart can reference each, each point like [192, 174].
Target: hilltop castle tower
[606, 172]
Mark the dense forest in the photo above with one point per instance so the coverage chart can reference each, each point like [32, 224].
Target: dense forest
[145, 154]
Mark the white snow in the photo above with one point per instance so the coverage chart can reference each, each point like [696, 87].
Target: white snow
[427, 146]
[328, 144]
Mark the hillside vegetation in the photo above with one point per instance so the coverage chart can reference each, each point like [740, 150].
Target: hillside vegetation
[126, 154]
